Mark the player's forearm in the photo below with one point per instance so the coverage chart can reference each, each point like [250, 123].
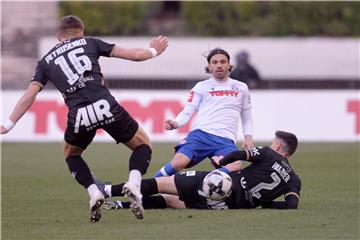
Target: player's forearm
[185, 115]
[234, 166]
[133, 54]
[247, 122]
[234, 156]
[24, 103]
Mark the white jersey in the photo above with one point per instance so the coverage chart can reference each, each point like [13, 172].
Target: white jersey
[219, 106]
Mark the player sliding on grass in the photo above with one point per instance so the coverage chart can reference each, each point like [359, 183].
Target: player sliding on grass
[269, 176]
[220, 102]
[73, 67]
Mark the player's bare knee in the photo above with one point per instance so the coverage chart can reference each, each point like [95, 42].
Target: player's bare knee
[180, 162]
[71, 150]
[166, 185]
[138, 139]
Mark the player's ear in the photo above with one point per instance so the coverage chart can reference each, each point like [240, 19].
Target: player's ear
[207, 70]
[276, 144]
[58, 37]
[231, 67]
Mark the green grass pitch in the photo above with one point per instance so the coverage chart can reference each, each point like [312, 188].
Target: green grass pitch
[40, 199]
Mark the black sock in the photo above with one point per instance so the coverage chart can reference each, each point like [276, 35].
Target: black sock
[80, 170]
[149, 202]
[125, 204]
[154, 202]
[140, 158]
[116, 190]
[148, 187]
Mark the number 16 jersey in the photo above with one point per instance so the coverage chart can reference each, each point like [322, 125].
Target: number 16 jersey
[73, 67]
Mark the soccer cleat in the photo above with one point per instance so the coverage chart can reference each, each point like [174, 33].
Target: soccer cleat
[95, 206]
[133, 193]
[110, 205]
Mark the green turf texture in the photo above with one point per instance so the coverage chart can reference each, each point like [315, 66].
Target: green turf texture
[40, 199]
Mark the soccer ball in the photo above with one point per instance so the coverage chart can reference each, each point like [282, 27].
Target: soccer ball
[217, 185]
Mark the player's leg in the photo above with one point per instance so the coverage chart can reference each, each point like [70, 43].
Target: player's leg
[138, 165]
[81, 172]
[149, 202]
[222, 147]
[148, 187]
[179, 162]
[127, 131]
[193, 149]
[76, 141]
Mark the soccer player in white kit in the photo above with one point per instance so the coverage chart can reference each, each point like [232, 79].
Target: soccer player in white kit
[220, 102]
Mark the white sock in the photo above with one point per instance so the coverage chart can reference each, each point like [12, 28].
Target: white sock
[92, 189]
[107, 189]
[135, 177]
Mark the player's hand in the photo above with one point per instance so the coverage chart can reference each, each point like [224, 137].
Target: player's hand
[248, 142]
[215, 161]
[160, 43]
[3, 130]
[171, 124]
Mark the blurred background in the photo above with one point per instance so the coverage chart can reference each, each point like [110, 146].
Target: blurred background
[299, 59]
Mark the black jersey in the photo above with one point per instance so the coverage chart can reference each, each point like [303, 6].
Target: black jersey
[267, 178]
[73, 67]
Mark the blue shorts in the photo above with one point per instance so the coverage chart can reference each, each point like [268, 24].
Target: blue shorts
[199, 145]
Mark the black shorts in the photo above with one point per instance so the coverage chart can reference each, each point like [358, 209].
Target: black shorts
[105, 113]
[189, 187]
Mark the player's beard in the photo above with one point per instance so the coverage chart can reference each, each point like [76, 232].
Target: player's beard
[221, 76]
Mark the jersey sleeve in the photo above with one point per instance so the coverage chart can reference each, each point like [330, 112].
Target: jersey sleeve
[258, 154]
[295, 186]
[104, 48]
[195, 96]
[39, 75]
[191, 106]
[246, 100]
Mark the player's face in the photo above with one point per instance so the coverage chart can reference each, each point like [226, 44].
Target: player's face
[219, 67]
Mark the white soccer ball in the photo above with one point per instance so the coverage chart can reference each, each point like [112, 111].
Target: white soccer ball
[217, 185]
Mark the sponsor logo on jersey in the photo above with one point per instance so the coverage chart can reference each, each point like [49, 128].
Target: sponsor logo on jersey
[243, 183]
[221, 93]
[93, 115]
[234, 87]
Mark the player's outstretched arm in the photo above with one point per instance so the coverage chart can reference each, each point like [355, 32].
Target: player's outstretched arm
[247, 125]
[231, 167]
[157, 47]
[291, 202]
[24, 103]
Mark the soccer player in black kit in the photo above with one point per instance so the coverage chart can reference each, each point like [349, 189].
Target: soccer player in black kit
[268, 177]
[73, 67]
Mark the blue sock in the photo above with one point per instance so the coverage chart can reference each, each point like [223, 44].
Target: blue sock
[166, 170]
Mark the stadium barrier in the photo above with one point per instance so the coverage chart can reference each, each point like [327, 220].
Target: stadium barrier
[328, 115]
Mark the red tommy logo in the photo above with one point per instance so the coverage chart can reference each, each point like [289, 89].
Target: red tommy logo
[224, 93]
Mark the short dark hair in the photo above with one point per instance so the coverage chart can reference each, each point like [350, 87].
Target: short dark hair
[69, 23]
[218, 51]
[290, 140]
